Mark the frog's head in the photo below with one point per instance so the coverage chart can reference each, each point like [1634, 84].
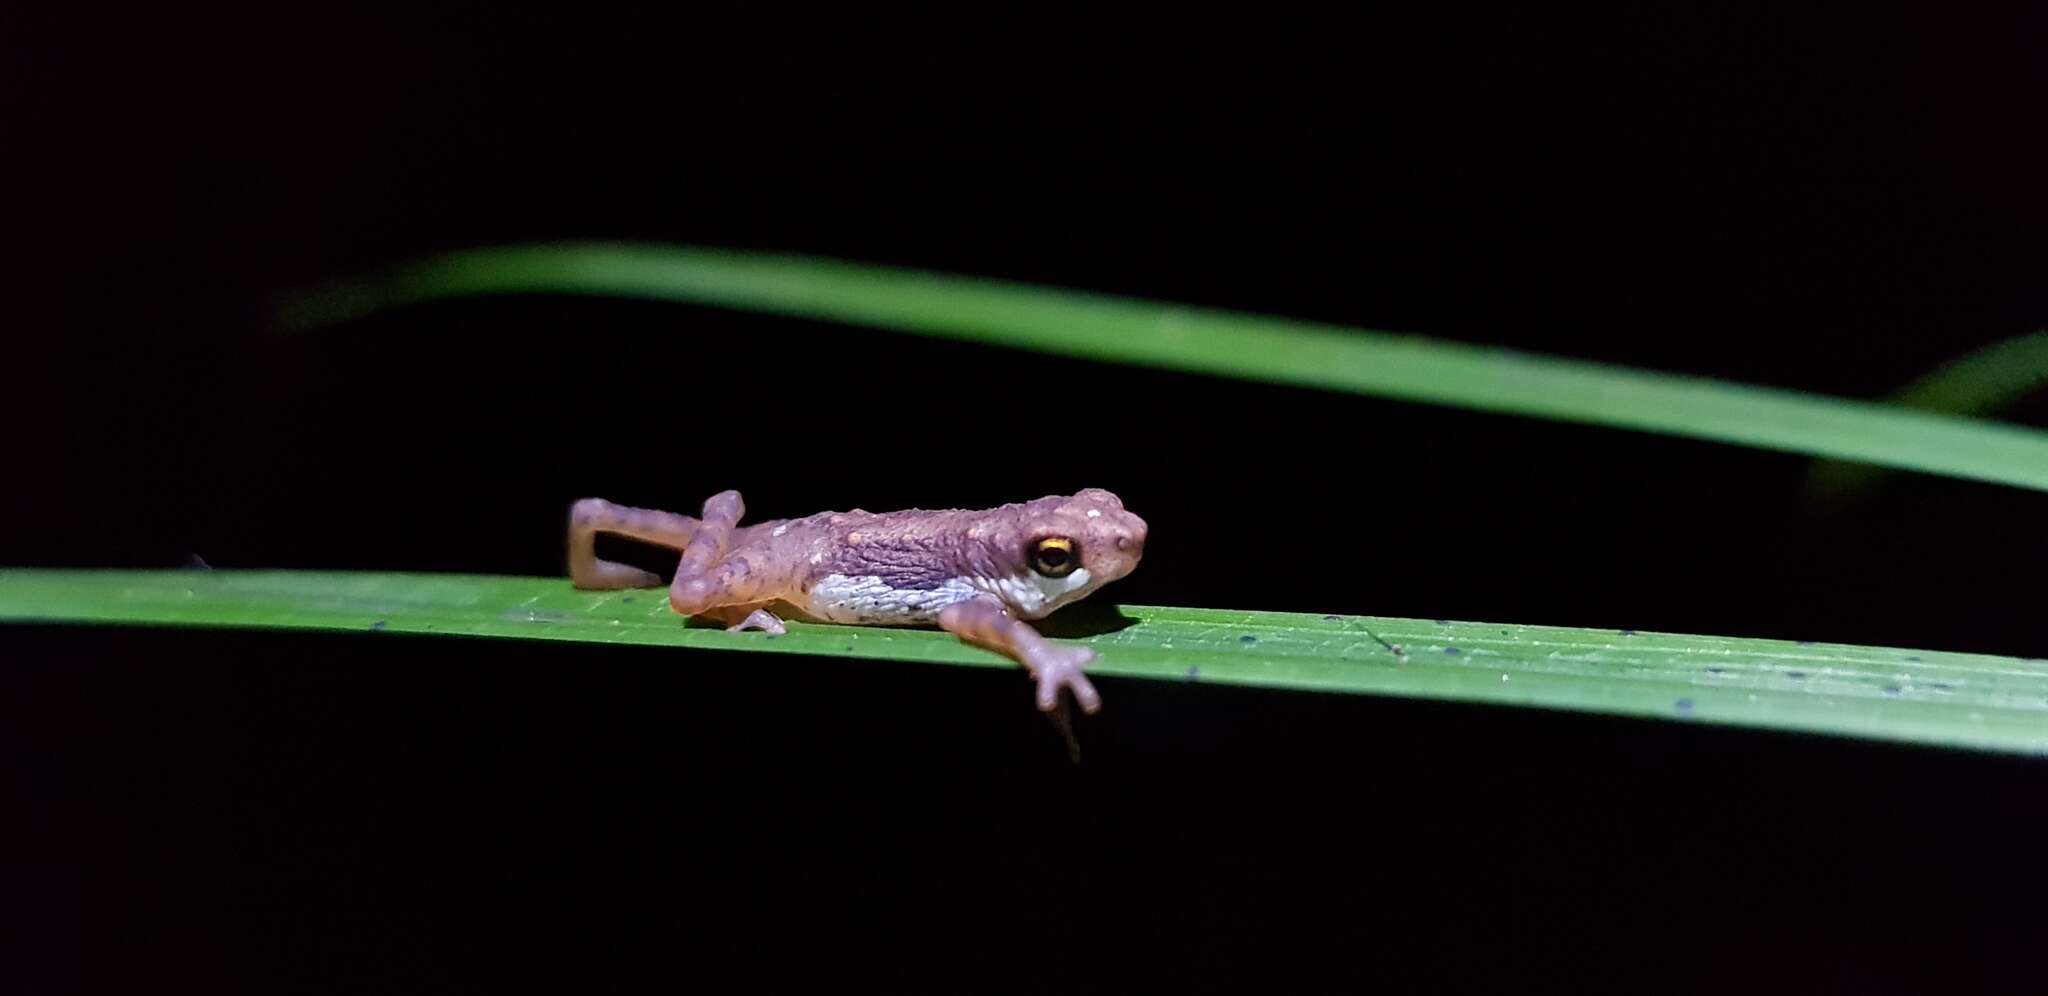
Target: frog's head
[1056, 550]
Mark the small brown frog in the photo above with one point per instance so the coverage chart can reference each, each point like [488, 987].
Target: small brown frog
[978, 574]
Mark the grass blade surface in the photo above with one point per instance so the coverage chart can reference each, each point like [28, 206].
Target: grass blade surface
[1230, 344]
[1924, 697]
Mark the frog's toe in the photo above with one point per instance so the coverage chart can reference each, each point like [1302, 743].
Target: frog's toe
[760, 619]
[603, 575]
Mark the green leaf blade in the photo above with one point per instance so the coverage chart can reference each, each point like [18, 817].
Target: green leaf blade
[1112, 329]
[1972, 701]
[1982, 381]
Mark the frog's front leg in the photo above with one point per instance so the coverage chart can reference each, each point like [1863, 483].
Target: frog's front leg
[986, 622]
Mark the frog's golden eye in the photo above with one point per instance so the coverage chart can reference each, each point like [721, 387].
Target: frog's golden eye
[1055, 556]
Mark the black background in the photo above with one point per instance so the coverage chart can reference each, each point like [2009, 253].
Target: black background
[1824, 199]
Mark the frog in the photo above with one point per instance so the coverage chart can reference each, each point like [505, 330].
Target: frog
[983, 575]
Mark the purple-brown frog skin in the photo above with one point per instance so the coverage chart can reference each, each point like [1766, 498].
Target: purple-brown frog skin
[979, 574]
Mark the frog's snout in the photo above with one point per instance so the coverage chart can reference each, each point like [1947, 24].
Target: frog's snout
[1131, 539]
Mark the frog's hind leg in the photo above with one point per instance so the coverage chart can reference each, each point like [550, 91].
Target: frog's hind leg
[700, 584]
[591, 516]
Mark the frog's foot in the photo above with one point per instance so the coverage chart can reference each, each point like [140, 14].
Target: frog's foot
[1058, 667]
[604, 575]
[986, 622]
[760, 619]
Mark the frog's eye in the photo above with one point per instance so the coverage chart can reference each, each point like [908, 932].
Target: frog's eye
[1055, 556]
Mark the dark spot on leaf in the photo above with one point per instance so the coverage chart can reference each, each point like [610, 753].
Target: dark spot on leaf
[628, 599]
[1683, 705]
[1333, 618]
[1915, 660]
[1453, 651]
[377, 627]
[1443, 622]
[1891, 689]
[1941, 686]
[1194, 673]
[1716, 670]
[1796, 675]
[849, 648]
[1247, 638]
[1626, 632]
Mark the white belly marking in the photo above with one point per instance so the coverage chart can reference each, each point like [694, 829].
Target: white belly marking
[866, 598]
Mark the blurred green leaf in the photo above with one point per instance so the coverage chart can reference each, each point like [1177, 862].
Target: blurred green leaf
[1983, 381]
[1123, 330]
[1879, 693]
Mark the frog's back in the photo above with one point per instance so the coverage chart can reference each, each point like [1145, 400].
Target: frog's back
[886, 568]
